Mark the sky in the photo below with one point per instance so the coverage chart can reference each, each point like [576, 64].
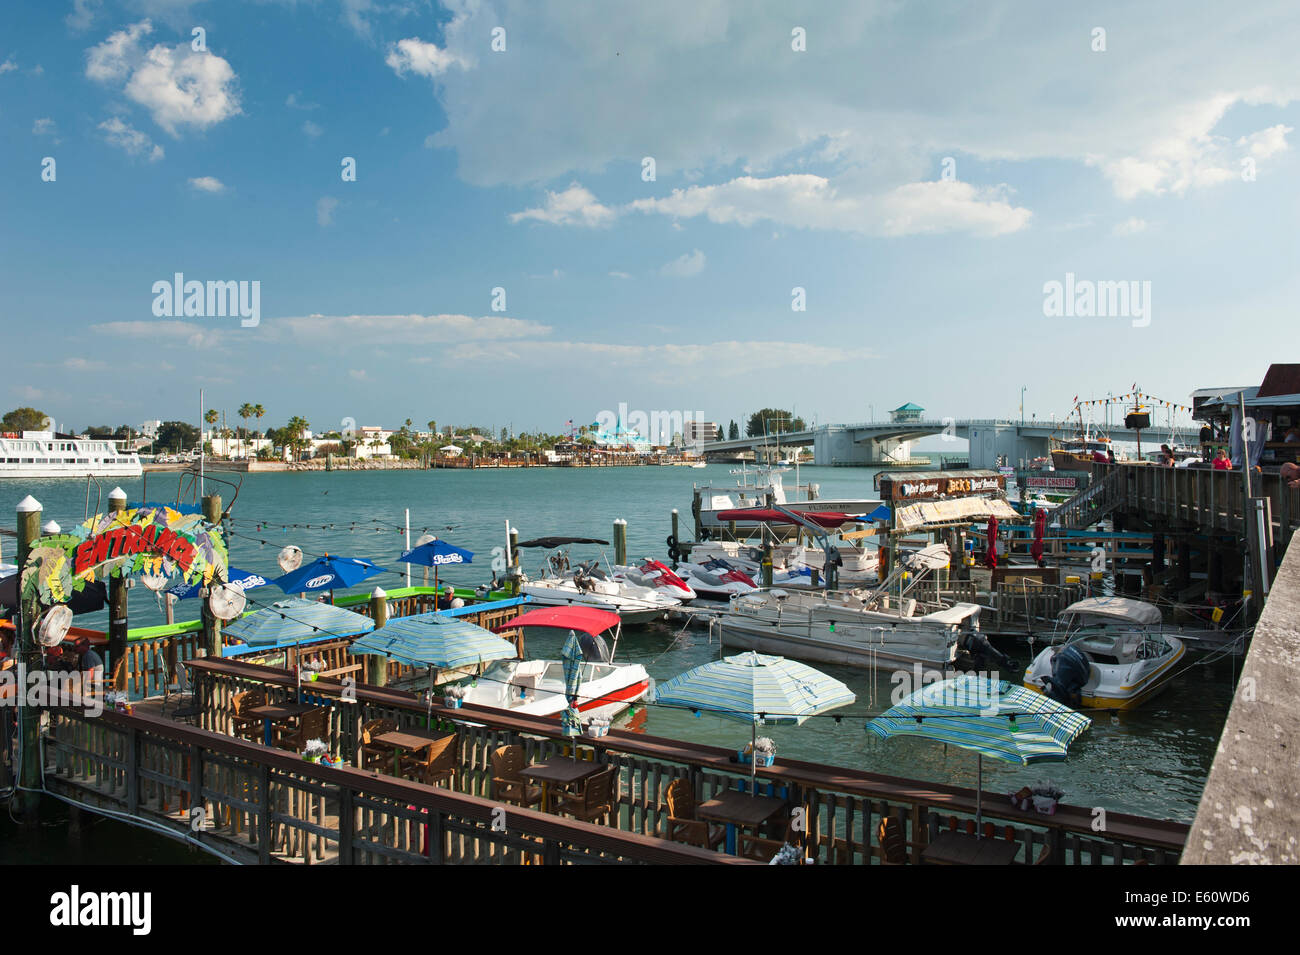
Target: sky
[564, 208]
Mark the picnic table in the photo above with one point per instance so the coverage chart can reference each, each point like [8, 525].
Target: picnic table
[273, 713]
[398, 741]
[959, 848]
[559, 771]
[739, 810]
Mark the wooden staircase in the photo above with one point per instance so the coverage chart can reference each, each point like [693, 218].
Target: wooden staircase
[1092, 504]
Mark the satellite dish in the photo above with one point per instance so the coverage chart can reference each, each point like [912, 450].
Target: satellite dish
[290, 558]
[227, 601]
[154, 582]
[54, 625]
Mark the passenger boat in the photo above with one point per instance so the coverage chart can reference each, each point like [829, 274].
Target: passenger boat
[536, 687]
[48, 454]
[1111, 654]
[861, 628]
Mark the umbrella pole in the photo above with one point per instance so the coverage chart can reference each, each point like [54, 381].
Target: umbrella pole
[435, 588]
[753, 760]
[979, 797]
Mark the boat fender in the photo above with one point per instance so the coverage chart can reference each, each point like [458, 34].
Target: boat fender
[674, 553]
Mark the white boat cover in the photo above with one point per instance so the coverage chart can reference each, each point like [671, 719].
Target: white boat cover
[1117, 608]
[954, 615]
[956, 509]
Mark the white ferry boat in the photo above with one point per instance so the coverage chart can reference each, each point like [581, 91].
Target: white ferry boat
[47, 454]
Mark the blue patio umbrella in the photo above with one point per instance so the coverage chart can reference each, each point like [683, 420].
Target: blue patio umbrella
[434, 640]
[436, 553]
[291, 619]
[245, 578]
[756, 688]
[992, 717]
[327, 573]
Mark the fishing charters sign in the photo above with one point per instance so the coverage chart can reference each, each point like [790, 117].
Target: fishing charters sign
[151, 539]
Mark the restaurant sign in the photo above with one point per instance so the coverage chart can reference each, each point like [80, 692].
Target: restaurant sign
[916, 487]
[151, 539]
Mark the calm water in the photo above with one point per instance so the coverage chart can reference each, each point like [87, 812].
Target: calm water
[1152, 762]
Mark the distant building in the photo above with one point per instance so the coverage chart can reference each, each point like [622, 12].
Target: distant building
[697, 433]
[907, 412]
[150, 428]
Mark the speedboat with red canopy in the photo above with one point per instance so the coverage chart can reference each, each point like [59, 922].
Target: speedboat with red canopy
[536, 687]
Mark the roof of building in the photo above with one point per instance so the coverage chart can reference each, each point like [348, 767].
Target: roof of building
[909, 407]
[1280, 380]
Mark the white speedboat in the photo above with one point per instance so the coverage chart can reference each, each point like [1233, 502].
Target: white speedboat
[46, 454]
[1110, 654]
[536, 687]
[586, 585]
[760, 488]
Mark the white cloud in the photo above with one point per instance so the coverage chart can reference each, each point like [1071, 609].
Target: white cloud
[325, 207]
[312, 129]
[294, 103]
[1130, 226]
[171, 333]
[574, 206]
[685, 266]
[177, 85]
[45, 127]
[8, 66]
[82, 15]
[424, 59]
[357, 374]
[208, 184]
[126, 137]
[83, 364]
[411, 329]
[621, 275]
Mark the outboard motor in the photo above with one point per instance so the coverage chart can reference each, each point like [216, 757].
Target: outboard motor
[1070, 671]
[977, 653]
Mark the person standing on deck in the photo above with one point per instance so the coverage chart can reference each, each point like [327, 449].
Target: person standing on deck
[1221, 462]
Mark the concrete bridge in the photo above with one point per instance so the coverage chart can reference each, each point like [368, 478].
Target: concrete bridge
[890, 442]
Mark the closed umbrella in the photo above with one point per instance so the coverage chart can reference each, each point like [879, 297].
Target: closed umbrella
[756, 688]
[1036, 548]
[327, 573]
[572, 656]
[991, 555]
[991, 717]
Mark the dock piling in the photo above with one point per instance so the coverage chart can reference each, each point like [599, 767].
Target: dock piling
[377, 666]
[211, 625]
[620, 542]
[673, 554]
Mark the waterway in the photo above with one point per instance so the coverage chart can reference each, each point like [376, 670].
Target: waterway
[1153, 761]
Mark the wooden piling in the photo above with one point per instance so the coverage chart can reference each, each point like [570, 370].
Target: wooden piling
[676, 539]
[620, 542]
[515, 571]
[376, 665]
[211, 625]
[27, 799]
[117, 613]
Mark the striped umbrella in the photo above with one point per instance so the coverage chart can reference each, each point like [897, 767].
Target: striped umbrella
[992, 717]
[291, 619]
[755, 688]
[434, 640]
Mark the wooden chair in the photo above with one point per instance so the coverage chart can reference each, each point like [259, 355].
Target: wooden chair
[681, 824]
[376, 756]
[507, 784]
[893, 846]
[241, 724]
[314, 724]
[434, 764]
[595, 801]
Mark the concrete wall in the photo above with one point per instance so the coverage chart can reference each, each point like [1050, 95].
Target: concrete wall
[835, 446]
[1250, 810]
[988, 442]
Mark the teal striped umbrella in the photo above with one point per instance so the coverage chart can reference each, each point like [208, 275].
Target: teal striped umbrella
[434, 640]
[755, 688]
[992, 717]
[291, 619]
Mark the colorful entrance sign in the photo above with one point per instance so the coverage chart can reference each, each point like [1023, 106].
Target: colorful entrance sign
[151, 539]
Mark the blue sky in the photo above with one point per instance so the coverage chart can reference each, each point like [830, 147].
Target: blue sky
[1165, 158]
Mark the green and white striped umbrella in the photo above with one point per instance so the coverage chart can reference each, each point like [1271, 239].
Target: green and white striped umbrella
[752, 688]
[291, 619]
[991, 717]
[434, 640]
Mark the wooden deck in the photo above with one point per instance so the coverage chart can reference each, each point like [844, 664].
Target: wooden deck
[268, 805]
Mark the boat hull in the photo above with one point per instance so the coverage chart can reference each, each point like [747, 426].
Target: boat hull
[845, 646]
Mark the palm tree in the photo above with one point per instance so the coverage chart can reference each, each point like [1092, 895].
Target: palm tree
[258, 411]
[296, 426]
[245, 412]
[210, 416]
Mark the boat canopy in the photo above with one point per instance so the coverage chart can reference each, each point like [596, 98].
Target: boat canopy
[549, 542]
[954, 615]
[822, 518]
[1116, 608]
[590, 620]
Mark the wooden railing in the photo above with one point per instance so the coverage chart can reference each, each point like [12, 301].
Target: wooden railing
[841, 807]
[258, 804]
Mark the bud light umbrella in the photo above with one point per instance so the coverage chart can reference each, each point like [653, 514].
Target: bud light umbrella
[992, 717]
[435, 554]
[327, 573]
[245, 578]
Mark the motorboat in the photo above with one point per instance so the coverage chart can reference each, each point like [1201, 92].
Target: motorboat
[536, 687]
[1110, 653]
[759, 489]
[657, 576]
[860, 627]
[792, 562]
[586, 584]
